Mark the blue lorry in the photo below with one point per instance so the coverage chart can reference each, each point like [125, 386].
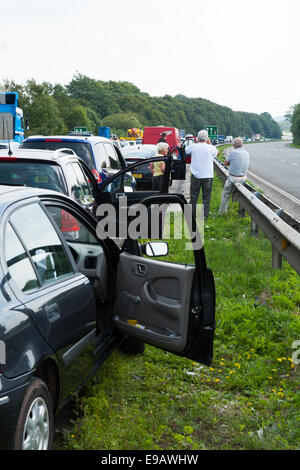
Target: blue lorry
[104, 131]
[11, 118]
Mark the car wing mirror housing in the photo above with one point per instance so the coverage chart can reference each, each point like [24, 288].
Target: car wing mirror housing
[155, 248]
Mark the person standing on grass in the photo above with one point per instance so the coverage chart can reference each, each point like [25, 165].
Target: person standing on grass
[202, 170]
[238, 163]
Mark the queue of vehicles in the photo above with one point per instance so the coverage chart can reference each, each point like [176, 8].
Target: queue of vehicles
[68, 296]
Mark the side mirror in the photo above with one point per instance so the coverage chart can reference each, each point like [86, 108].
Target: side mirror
[76, 191]
[155, 248]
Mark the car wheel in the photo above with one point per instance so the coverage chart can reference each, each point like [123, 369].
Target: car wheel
[35, 426]
[132, 346]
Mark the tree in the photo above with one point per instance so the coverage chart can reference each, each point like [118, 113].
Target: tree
[295, 120]
[121, 121]
[44, 117]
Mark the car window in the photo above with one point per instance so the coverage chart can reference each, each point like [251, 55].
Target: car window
[114, 162]
[33, 174]
[42, 243]
[73, 230]
[101, 157]
[82, 149]
[18, 263]
[80, 189]
[85, 194]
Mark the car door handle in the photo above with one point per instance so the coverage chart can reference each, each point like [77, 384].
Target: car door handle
[141, 269]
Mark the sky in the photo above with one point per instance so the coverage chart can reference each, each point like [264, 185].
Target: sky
[243, 54]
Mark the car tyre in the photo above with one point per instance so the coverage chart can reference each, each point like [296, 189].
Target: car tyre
[35, 426]
[132, 346]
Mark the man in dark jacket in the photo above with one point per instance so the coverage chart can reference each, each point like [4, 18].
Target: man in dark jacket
[163, 137]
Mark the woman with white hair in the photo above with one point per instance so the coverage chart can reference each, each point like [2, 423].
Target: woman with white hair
[158, 168]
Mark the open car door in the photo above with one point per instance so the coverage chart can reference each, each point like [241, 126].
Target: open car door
[119, 186]
[166, 304]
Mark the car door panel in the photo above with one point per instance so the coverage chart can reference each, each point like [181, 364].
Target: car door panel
[155, 295]
[64, 313]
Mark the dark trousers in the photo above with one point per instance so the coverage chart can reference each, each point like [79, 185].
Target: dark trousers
[196, 185]
[157, 182]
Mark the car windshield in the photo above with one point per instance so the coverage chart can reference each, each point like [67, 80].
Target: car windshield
[33, 174]
[82, 149]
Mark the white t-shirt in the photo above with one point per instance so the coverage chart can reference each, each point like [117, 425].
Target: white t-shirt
[203, 154]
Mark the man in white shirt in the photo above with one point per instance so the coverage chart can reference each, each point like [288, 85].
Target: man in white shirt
[202, 170]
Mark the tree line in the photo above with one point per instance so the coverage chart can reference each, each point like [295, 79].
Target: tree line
[57, 109]
[294, 117]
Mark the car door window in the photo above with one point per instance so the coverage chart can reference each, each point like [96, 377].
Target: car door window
[101, 157]
[76, 190]
[18, 263]
[72, 229]
[42, 243]
[114, 162]
[85, 192]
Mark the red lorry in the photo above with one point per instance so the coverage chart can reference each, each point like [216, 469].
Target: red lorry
[153, 134]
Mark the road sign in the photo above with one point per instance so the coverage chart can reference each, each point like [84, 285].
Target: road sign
[212, 131]
[80, 130]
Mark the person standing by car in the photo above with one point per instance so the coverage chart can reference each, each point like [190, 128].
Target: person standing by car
[238, 162]
[158, 168]
[202, 170]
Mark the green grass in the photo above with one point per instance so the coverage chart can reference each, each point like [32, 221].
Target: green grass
[248, 399]
[295, 146]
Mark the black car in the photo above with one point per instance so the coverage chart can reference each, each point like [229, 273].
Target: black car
[138, 153]
[68, 298]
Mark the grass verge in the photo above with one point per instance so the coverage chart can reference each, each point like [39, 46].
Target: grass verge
[248, 399]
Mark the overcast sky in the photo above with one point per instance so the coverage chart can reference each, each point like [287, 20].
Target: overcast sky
[244, 54]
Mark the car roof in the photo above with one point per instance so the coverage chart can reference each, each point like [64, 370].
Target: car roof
[93, 139]
[57, 156]
[10, 194]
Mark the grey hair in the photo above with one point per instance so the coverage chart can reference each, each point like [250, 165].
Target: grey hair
[202, 135]
[238, 142]
[162, 146]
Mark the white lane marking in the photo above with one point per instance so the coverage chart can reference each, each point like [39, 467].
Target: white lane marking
[281, 191]
[295, 164]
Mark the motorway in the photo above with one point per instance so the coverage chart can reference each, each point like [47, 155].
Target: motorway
[275, 169]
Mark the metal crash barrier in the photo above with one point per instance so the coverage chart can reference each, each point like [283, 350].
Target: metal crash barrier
[279, 227]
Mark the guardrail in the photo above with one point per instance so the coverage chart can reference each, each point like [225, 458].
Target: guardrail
[279, 227]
